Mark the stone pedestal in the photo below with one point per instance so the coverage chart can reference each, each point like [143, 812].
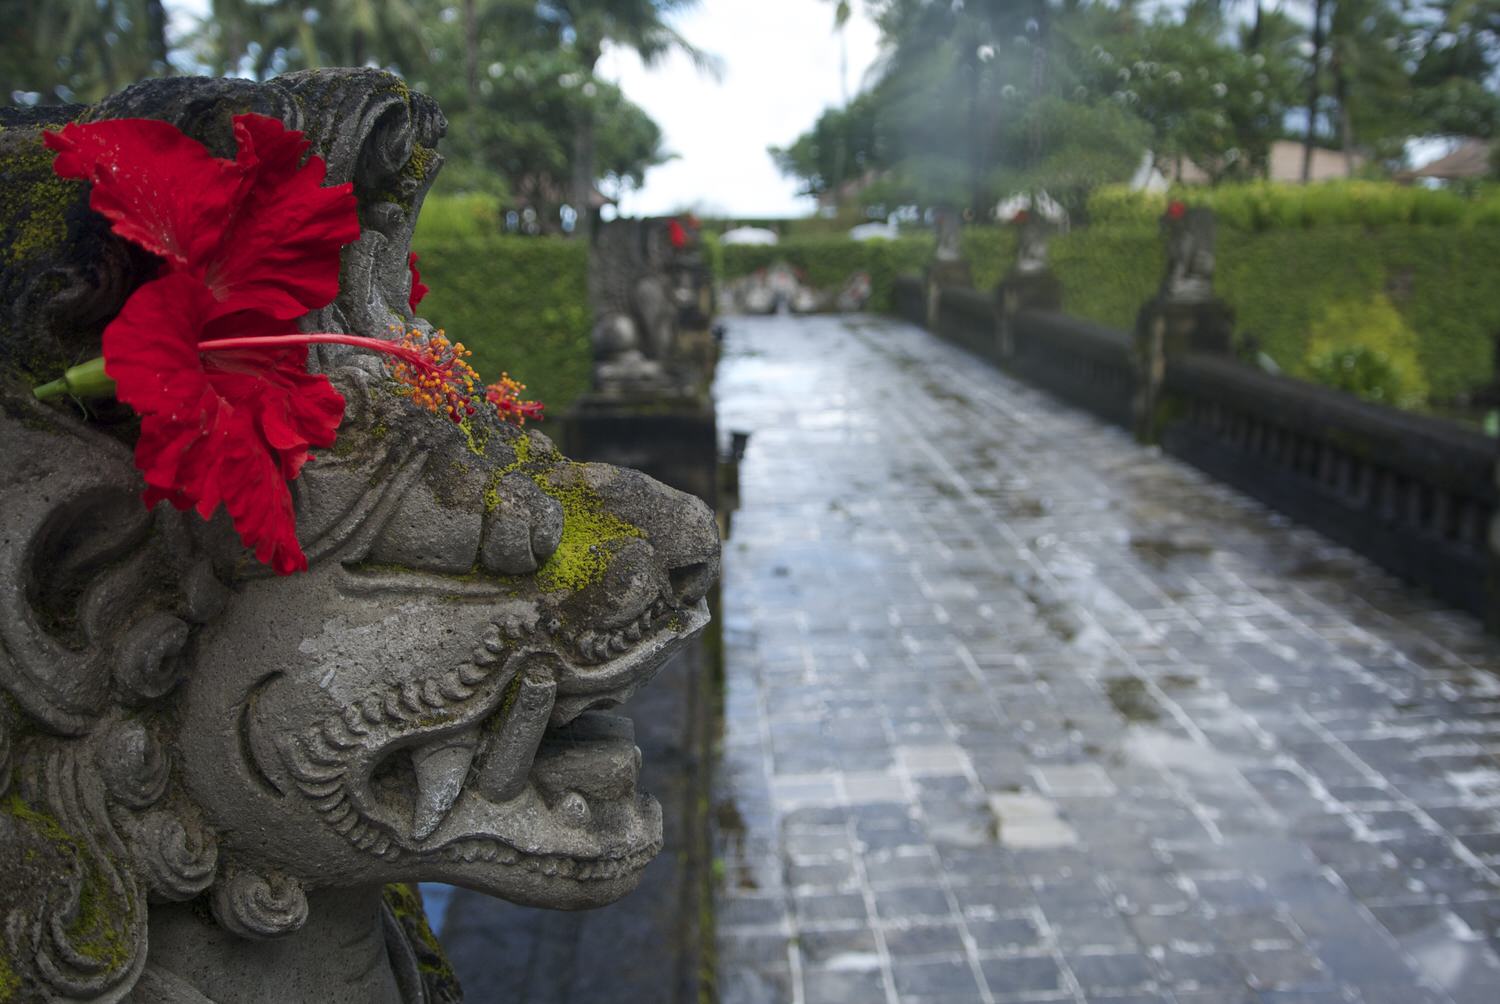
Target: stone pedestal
[940, 273]
[1166, 328]
[1018, 291]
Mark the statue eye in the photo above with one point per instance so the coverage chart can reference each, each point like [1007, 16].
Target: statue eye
[426, 535]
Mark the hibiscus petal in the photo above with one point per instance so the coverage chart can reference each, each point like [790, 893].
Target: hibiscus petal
[419, 288]
[279, 254]
[227, 431]
[158, 188]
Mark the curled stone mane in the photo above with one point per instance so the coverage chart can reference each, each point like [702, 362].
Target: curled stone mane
[198, 759]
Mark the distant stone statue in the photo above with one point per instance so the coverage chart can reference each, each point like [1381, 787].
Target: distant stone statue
[1190, 255]
[1034, 235]
[214, 781]
[636, 305]
[947, 225]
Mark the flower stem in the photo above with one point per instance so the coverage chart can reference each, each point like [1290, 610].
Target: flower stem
[84, 380]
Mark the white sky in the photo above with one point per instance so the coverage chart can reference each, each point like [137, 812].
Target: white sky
[781, 70]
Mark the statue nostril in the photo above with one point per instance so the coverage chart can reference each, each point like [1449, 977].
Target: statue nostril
[691, 582]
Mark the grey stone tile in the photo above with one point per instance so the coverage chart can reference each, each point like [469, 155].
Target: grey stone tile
[934, 978]
[1022, 974]
[899, 695]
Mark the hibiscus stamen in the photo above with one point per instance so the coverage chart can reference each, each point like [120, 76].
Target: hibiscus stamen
[505, 395]
[435, 372]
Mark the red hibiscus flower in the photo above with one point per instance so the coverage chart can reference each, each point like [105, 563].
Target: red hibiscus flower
[209, 352]
[1176, 209]
[676, 234]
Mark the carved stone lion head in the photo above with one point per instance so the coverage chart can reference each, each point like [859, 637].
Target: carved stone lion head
[426, 702]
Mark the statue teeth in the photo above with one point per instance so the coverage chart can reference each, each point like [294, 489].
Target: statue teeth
[453, 687]
[492, 639]
[511, 750]
[471, 675]
[441, 768]
[633, 632]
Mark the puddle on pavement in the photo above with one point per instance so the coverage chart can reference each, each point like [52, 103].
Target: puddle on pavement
[1129, 696]
[1027, 821]
[732, 866]
[1176, 681]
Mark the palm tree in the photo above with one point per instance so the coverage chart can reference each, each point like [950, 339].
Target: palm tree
[642, 25]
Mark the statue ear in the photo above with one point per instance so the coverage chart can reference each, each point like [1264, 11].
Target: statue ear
[72, 519]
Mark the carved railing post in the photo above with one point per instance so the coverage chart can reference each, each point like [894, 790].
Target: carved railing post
[215, 782]
[947, 267]
[1030, 283]
[1184, 316]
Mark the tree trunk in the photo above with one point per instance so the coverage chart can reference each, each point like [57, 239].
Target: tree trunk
[1314, 92]
[584, 150]
[583, 174]
[471, 52]
[1346, 123]
[156, 36]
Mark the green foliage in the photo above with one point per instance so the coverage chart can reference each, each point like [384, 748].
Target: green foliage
[828, 261]
[456, 217]
[520, 303]
[1108, 272]
[990, 252]
[1365, 346]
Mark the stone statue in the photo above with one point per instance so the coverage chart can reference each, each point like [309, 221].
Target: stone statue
[947, 226]
[1190, 255]
[635, 311]
[214, 781]
[1034, 237]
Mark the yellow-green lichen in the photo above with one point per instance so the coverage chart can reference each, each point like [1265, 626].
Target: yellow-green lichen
[590, 536]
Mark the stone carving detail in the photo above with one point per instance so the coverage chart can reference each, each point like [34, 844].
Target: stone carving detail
[209, 774]
[1190, 256]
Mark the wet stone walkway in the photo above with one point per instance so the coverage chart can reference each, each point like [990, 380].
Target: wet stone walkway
[1019, 711]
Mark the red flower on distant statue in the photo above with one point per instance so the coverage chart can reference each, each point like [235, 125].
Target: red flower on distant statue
[209, 352]
[676, 234]
[1176, 209]
[419, 288]
[1020, 217]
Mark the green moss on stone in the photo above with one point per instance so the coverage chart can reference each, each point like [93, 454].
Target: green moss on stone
[33, 205]
[101, 930]
[590, 536]
[10, 983]
[437, 972]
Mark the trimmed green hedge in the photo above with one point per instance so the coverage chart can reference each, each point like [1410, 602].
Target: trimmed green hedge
[1264, 205]
[520, 303]
[1285, 285]
[829, 261]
